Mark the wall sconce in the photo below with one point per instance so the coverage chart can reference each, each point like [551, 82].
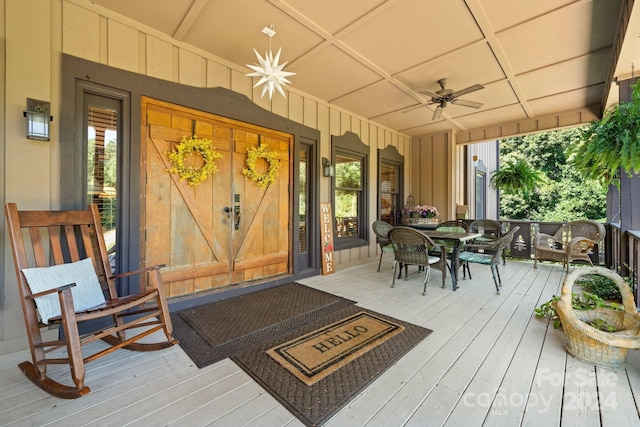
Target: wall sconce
[38, 118]
[327, 168]
[476, 160]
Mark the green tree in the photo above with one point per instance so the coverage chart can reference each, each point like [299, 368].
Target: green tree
[565, 194]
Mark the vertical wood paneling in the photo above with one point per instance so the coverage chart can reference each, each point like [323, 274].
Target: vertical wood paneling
[190, 70]
[175, 63]
[364, 134]
[335, 126]
[122, 46]
[356, 127]
[159, 58]
[431, 163]
[27, 164]
[80, 31]
[241, 83]
[142, 53]
[345, 123]
[280, 106]
[310, 113]
[296, 110]
[218, 75]
[487, 152]
[103, 43]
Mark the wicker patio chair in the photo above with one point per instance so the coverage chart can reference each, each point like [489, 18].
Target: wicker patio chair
[573, 241]
[453, 227]
[475, 254]
[490, 230]
[381, 230]
[411, 247]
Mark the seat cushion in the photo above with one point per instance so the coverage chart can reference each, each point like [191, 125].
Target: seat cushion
[86, 294]
[388, 249]
[476, 257]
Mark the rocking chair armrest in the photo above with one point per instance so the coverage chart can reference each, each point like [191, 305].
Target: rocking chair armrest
[50, 291]
[138, 271]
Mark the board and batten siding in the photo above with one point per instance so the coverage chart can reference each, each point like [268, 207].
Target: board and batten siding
[37, 32]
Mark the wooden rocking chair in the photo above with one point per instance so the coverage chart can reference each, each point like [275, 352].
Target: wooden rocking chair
[65, 279]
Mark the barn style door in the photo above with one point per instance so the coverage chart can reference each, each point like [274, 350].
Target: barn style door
[226, 230]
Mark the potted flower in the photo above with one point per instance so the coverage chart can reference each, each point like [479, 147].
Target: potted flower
[427, 214]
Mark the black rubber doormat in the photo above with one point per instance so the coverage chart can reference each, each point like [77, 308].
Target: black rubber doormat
[212, 332]
[317, 403]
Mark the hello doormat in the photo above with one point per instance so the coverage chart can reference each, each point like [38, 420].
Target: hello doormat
[332, 382]
[317, 354]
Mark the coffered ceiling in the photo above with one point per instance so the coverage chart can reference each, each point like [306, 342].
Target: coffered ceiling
[375, 57]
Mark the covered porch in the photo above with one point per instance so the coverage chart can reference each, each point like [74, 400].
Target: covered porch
[489, 361]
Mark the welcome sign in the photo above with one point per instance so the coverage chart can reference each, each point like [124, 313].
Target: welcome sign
[326, 224]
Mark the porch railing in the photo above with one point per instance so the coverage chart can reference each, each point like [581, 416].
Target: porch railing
[619, 251]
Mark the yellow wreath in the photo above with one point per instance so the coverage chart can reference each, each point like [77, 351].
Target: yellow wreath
[253, 154]
[186, 147]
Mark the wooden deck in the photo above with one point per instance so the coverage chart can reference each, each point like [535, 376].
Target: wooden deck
[489, 361]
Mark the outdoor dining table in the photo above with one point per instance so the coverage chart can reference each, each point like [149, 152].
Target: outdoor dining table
[456, 238]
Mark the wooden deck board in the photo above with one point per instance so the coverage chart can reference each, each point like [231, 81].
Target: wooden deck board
[473, 403]
[438, 404]
[489, 361]
[518, 378]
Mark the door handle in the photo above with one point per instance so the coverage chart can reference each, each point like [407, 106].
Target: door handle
[227, 210]
[236, 214]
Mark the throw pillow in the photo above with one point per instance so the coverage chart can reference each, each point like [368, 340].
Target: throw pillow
[86, 294]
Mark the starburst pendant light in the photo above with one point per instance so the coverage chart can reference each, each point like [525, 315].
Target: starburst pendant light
[271, 73]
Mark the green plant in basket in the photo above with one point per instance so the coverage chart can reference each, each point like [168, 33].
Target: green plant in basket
[583, 301]
[602, 286]
[602, 325]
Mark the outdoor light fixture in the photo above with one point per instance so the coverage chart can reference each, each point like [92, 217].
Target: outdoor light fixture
[38, 118]
[327, 168]
[270, 71]
[476, 160]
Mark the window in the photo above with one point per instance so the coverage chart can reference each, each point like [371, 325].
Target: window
[350, 191]
[102, 172]
[389, 185]
[481, 193]
[348, 195]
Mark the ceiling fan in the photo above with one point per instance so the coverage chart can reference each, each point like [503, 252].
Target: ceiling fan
[445, 96]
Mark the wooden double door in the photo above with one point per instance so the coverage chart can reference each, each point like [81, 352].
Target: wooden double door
[226, 230]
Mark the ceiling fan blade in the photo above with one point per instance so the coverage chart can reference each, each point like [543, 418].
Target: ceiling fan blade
[437, 113]
[466, 103]
[429, 93]
[466, 90]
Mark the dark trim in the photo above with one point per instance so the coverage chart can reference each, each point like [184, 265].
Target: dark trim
[313, 208]
[391, 156]
[218, 101]
[351, 142]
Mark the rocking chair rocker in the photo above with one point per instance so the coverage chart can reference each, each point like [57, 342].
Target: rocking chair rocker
[65, 279]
